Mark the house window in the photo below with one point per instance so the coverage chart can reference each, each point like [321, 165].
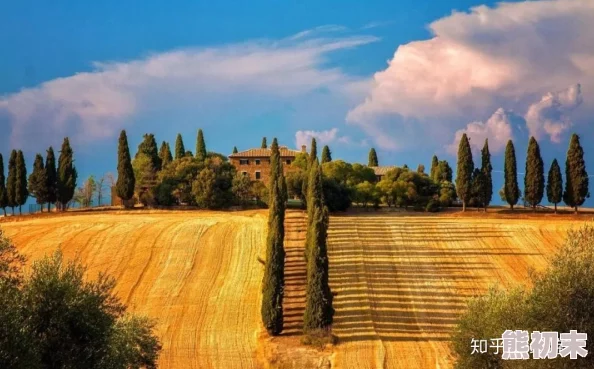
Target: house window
[257, 161]
[244, 161]
[288, 161]
[258, 175]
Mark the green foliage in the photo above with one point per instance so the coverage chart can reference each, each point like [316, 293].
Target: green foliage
[264, 143]
[487, 170]
[433, 172]
[189, 154]
[204, 189]
[38, 181]
[295, 182]
[11, 182]
[260, 193]
[3, 193]
[337, 196]
[534, 175]
[447, 193]
[576, 177]
[273, 283]
[22, 193]
[366, 194]
[560, 299]
[301, 161]
[421, 169]
[235, 150]
[464, 171]
[175, 181]
[52, 177]
[56, 319]
[443, 172]
[432, 206]
[126, 181]
[180, 150]
[66, 183]
[511, 190]
[145, 179]
[478, 189]
[165, 154]
[242, 189]
[212, 188]
[148, 147]
[372, 159]
[200, 146]
[326, 155]
[313, 152]
[554, 184]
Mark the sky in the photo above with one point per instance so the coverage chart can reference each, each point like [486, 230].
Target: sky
[406, 77]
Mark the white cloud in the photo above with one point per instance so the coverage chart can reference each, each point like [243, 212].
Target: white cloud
[96, 104]
[551, 114]
[322, 137]
[508, 56]
[497, 129]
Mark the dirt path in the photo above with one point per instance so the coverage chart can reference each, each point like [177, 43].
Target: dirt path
[197, 273]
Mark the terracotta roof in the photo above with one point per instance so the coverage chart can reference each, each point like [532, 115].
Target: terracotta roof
[381, 171]
[265, 153]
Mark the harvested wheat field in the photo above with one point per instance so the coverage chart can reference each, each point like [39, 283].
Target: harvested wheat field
[400, 280]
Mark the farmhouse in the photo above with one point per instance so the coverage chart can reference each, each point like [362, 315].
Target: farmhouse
[380, 172]
[255, 163]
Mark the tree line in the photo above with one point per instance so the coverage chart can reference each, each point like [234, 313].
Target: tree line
[474, 185]
[47, 184]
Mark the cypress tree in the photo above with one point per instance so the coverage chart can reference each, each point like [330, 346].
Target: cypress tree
[52, 178]
[326, 155]
[434, 168]
[21, 181]
[464, 171]
[165, 154]
[576, 177]
[372, 160]
[479, 188]
[180, 150]
[274, 273]
[126, 181]
[313, 153]
[148, 147]
[319, 312]
[264, 144]
[11, 182]
[555, 184]
[487, 170]
[405, 167]
[235, 150]
[511, 190]
[534, 175]
[38, 181]
[200, 146]
[66, 183]
[421, 169]
[3, 194]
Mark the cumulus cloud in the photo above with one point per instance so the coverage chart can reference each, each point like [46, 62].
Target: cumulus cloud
[551, 114]
[498, 129]
[507, 56]
[94, 105]
[322, 137]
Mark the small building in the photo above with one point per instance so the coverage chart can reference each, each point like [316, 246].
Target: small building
[255, 163]
[380, 172]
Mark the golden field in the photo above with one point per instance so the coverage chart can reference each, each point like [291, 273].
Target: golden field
[400, 280]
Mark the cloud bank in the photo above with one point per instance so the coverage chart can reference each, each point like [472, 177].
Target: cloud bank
[505, 57]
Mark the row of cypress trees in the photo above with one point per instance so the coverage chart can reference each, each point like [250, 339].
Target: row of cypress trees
[477, 183]
[46, 183]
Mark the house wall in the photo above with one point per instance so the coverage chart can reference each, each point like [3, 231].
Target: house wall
[264, 167]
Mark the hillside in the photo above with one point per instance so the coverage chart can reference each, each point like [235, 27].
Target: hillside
[400, 281]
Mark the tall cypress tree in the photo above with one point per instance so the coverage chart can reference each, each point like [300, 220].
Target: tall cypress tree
[3, 194]
[487, 170]
[148, 147]
[165, 154]
[38, 181]
[200, 146]
[264, 143]
[372, 159]
[274, 273]
[326, 155]
[534, 175]
[555, 184]
[21, 181]
[434, 168]
[464, 171]
[126, 181]
[576, 177]
[66, 183]
[11, 182]
[510, 187]
[421, 169]
[235, 150]
[313, 152]
[479, 188]
[51, 175]
[319, 312]
[180, 150]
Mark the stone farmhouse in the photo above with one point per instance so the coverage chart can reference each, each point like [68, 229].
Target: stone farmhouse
[255, 163]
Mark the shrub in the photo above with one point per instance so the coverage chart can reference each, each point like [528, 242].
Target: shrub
[432, 206]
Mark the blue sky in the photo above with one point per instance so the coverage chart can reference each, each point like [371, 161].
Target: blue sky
[407, 77]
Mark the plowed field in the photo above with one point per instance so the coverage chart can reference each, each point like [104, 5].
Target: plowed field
[400, 281]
